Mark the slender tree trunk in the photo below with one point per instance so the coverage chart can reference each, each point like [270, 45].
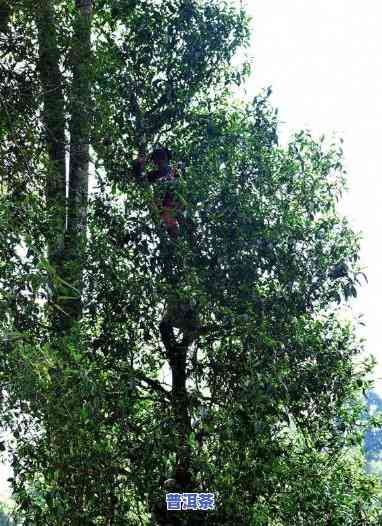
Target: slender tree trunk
[54, 123]
[177, 357]
[79, 128]
[68, 238]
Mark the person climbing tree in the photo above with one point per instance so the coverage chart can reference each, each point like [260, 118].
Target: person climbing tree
[166, 204]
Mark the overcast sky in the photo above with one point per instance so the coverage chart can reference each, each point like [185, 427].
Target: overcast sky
[323, 59]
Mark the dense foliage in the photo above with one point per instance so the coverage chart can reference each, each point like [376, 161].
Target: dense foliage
[218, 362]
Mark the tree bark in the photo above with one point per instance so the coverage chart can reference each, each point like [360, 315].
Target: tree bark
[79, 128]
[54, 122]
[177, 357]
[67, 240]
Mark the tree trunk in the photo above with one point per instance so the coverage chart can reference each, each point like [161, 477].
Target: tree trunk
[67, 240]
[177, 357]
[54, 123]
[79, 128]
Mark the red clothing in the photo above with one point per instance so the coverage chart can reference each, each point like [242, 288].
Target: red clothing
[157, 176]
[168, 205]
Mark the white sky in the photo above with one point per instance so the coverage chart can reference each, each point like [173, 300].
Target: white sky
[323, 59]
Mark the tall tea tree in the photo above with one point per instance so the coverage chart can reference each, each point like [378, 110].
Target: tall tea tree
[252, 300]
[263, 382]
[241, 310]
